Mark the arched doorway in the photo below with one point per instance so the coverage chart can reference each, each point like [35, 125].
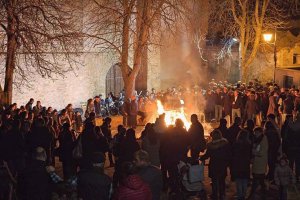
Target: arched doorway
[114, 80]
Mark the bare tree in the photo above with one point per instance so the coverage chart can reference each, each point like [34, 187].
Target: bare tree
[35, 36]
[128, 27]
[246, 20]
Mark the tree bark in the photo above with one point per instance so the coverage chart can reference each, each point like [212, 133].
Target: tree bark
[10, 53]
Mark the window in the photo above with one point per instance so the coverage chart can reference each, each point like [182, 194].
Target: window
[296, 58]
[288, 81]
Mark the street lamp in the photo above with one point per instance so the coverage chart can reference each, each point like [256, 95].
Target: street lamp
[268, 37]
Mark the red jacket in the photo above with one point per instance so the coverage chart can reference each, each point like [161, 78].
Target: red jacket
[133, 188]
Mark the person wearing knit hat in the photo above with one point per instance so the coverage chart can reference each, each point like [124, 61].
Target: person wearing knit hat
[218, 150]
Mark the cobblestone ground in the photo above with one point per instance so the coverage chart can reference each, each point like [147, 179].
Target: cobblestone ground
[272, 192]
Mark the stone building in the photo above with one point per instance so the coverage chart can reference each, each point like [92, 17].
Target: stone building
[96, 75]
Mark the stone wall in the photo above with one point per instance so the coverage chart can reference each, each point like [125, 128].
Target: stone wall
[75, 87]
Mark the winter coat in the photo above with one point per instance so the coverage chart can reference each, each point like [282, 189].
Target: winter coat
[210, 103]
[251, 107]
[241, 158]
[218, 98]
[238, 103]
[224, 131]
[133, 188]
[40, 137]
[196, 134]
[34, 182]
[233, 132]
[273, 106]
[177, 146]
[153, 177]
[283, 175]
[66, 145]
[106, 132]
[273, 143]
[288, 106]
[227, 104]
[219, 153]
[92, 143]
[93, 185]
[293, 137]
[260, 155]
[127, 149]
[97, 106]
[152, 150]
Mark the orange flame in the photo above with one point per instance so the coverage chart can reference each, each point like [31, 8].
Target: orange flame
[172, 115]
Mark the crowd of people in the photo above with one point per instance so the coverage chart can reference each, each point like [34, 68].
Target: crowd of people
[257, 140]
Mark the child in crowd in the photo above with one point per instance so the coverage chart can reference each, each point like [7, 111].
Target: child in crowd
[283, 177]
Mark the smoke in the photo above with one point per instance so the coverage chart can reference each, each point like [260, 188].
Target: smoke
[183, 67]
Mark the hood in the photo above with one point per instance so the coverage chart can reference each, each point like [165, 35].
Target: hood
[133, 182]
[217, 143]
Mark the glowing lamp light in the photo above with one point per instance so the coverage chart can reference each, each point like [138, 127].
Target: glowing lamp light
[268, 37]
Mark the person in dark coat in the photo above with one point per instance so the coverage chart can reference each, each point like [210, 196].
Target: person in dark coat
[132, 186]
[92, 141]
[234, 130]
[66, 146]
[128, 146]
[93, 184]
[105, 128]
[177, 148]
[210, 106]
[250, 128]
[29, 105]
[196, 136]
[149, 173]
[251, 108]
[223, 128]
[12, 146]
[34, 181]
[40, 136]
[219, 153]
[273, 150]
[284, 134]
[116, 150]
[293, 145]
[237, 105]
[241, 154]
[97, 105]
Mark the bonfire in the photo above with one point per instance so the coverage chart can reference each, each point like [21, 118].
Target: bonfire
[172, 115]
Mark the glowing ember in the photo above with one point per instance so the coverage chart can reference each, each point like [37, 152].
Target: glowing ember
[172, 115]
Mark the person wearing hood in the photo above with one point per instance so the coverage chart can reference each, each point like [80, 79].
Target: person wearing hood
[218, 150]
[132, 186]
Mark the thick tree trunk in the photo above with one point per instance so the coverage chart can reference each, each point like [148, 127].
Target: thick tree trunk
[10, 53]
[130, 86]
